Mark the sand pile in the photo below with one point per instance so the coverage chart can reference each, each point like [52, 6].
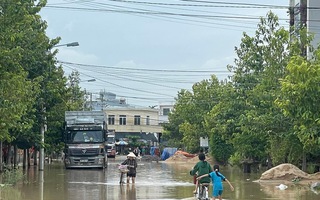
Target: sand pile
[288, 172]
[177, 157]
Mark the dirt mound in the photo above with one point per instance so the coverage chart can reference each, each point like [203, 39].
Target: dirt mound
[287, 172]
[177, 157]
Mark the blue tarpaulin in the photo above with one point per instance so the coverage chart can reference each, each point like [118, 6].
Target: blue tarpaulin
[167, 153]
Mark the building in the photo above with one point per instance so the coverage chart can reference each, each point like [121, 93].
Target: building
[126, 120]
[164, 110]
[131, 121]
[305, 13]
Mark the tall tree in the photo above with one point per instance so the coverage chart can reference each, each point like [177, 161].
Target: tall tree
[18, 92]
[261, 63]
[301, 91]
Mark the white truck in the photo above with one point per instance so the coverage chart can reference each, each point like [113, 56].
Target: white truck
[84, 138]
[110, 144]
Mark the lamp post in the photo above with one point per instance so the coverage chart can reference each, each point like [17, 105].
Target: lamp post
[43, 127]
[90, 80]
[72, 44]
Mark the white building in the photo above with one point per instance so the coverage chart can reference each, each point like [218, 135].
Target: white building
[164, 110]
[131, 121]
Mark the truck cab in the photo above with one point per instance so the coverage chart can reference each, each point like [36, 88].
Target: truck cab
[110, 145]
[84, 139]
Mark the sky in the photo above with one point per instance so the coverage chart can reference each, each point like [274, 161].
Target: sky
[146, 51]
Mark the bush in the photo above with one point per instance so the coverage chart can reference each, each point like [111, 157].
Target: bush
[11, 177]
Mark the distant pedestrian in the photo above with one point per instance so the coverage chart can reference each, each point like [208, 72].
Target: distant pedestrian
[136, 151]
[143, 151]
[217, 179]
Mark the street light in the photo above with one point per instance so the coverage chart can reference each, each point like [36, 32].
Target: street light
[90, 80]
[43, 127]
[72, 44]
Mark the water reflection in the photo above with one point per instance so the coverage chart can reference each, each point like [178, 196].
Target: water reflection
[154, 181]
[128, 192]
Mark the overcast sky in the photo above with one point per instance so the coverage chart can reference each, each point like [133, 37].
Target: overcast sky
[148, 50]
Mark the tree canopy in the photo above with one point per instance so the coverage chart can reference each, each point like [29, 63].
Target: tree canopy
[265, 111]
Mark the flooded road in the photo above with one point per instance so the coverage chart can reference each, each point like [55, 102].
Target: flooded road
[167, 181]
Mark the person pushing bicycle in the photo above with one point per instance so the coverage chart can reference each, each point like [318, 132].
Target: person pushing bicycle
[201, 168]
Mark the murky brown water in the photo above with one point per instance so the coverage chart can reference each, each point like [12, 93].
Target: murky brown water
[154, 181]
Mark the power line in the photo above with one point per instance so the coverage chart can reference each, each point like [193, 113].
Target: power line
[129, 88]
[144, 69]
[181, 20]
[160, 13]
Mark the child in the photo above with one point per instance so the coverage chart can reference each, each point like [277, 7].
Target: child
[201, 168]
[217, 179]
[132, 166]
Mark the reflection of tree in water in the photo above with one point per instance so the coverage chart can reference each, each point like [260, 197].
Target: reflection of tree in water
[294, 191]
[128, 191]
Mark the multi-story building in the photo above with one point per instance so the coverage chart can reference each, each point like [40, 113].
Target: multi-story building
[126, 120]
[131, 121]
[305, 13]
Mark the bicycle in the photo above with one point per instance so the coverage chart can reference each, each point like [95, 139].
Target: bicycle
[123, 169]
[202, 191]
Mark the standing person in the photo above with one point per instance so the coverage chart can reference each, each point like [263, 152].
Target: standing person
[132, 166]
[201, 168]
[217, 179]
[136, 151]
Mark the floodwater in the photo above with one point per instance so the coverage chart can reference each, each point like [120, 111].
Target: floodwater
[167, 181]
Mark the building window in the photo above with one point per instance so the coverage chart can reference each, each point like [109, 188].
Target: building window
[122, 120]
[148, 120]
[137, 120]
[111, 119]
[166, 111]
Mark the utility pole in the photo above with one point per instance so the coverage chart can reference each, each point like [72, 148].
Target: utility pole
[42, 131]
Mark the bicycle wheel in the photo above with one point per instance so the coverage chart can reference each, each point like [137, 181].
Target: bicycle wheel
[203, 193]
[200, 192]
[197, 195]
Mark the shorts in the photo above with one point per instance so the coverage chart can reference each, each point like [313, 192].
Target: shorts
[217, 193]
[130, 174]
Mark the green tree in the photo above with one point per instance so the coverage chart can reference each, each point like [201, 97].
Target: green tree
[33, 87]
[187, 121]
[261, 63]
[75, 94]
[17, 91]
[300, 94]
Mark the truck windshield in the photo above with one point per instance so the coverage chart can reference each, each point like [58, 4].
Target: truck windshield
[85, 136]
[110, 139]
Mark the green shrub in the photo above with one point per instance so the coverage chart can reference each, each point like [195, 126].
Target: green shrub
[11, 177]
